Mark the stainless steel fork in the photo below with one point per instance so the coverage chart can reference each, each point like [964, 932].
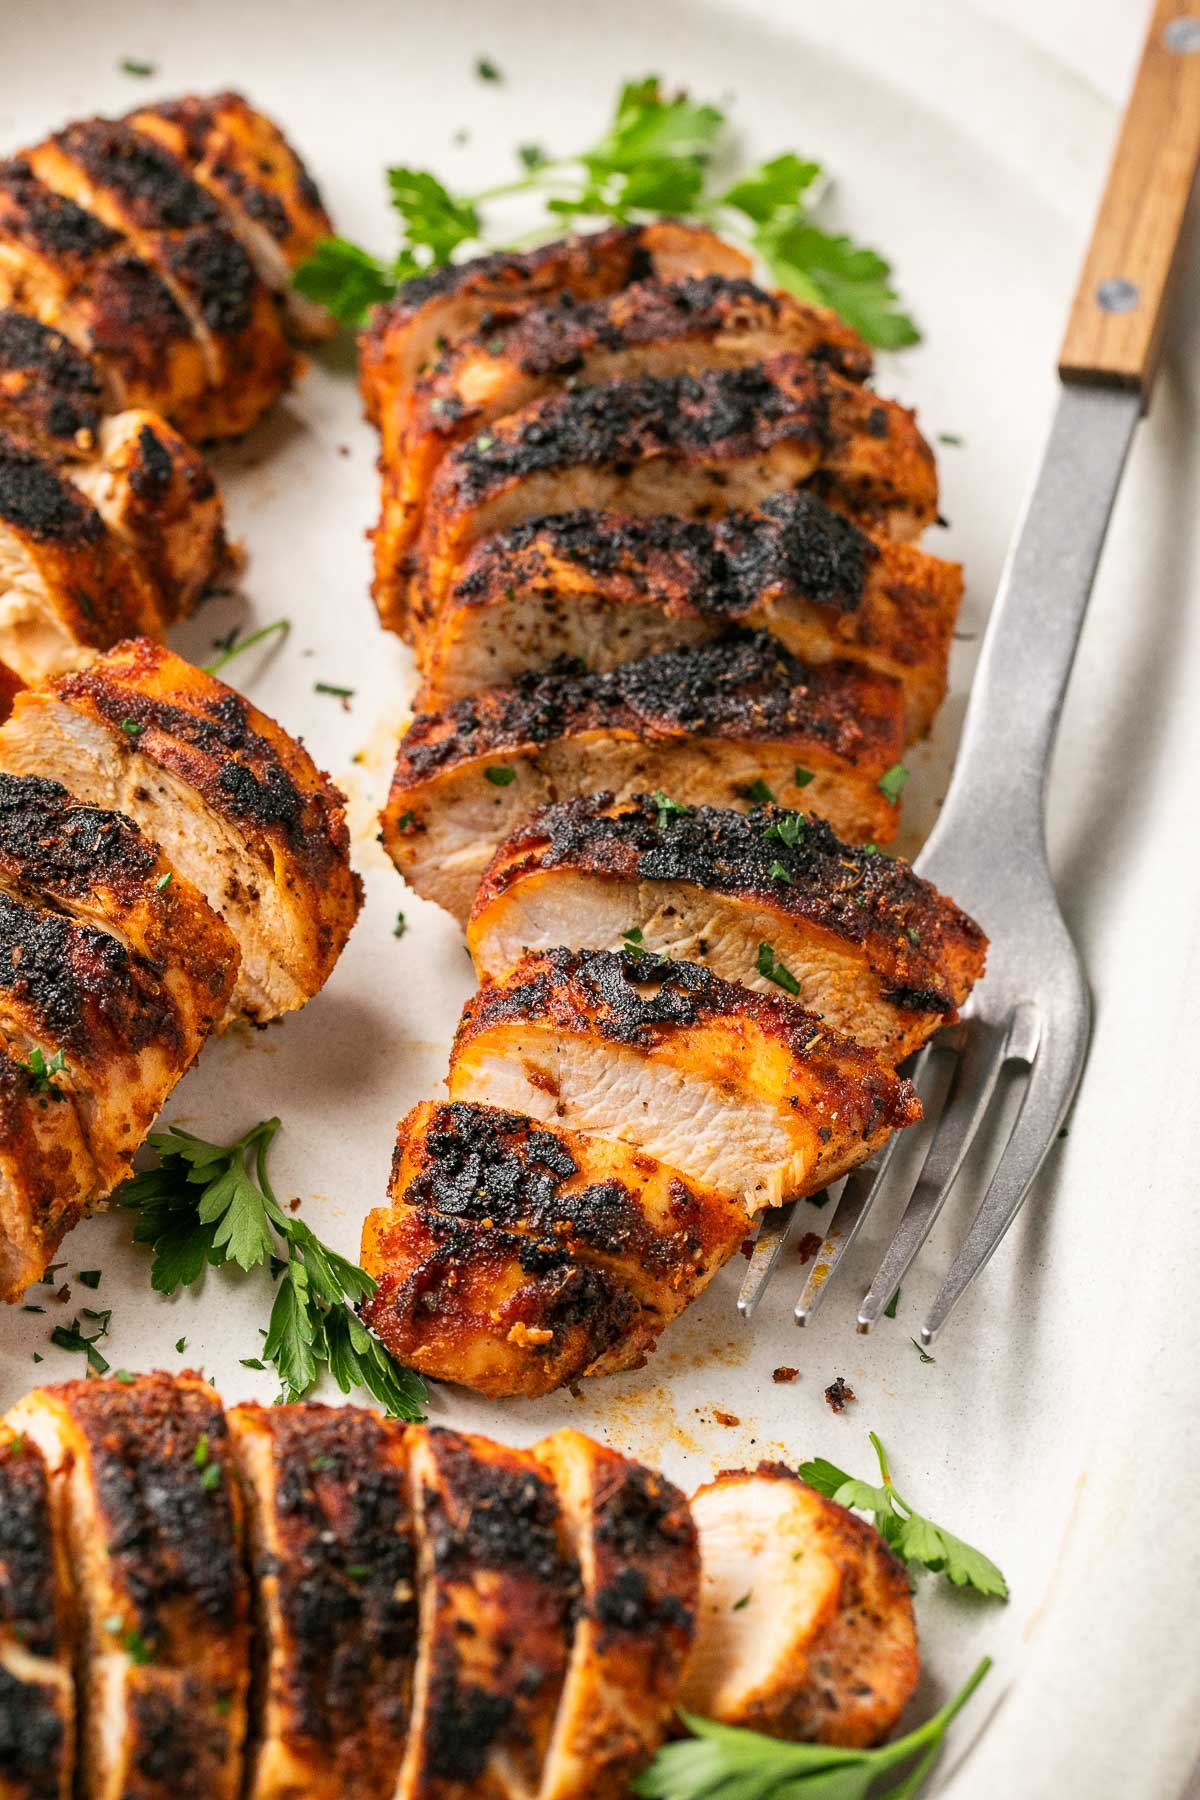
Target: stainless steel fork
[1032, 1012]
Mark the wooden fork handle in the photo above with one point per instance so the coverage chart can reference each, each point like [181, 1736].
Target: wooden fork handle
[1114, 334]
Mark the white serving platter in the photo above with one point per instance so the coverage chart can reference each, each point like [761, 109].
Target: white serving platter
[1058, 1427]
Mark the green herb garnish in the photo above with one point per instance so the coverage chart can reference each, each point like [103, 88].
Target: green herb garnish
[777, 872]
[90, 1277]
[71, 1337]
[131, 728]
[668, 809]
[400, 927]
[133, 65]
[232, 645]
[913, 1538]
[787, 829]
[42, 1071]
[330, 687]
[657, 156]
[802, 777]
[213, 1204]
[760, 792]
[770, 966]
[499, 776]
[487, 71]
[891, 783]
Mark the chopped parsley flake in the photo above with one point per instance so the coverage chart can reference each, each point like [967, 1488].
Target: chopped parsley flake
[891, 783]
[770, 966]
[802, 777]
[499, 776]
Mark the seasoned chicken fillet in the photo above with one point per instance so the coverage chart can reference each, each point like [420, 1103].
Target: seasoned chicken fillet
[335, 1607]
[136, 187]
[607, 588]
[37, 1688]
[697, 444]
[805, 1627]
[67, 583]
[438, 310]
[86, 281]
[872, 949]
[498, 1588]
[635, 1543]
[739, 1091]
[112, 972]
[649, 328]
[513, 1258]
[244, 162]
[237, 805]
[724, 724]
[147, 1505]
[50, 393]
[159, 497]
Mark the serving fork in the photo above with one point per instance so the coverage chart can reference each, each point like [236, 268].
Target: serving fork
[1029, 1019]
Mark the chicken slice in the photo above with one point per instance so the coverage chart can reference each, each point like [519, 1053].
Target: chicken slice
[805, 1628]
[242, 159]
[635, 1542]
[696, 444]
[50, 393]
[82, 279]
[67, 583]
[436, 311]
[649, 328]
[37, 1690]
[719, 723]
[146, 1503]
[48, 1180]
[739, 1091]
[512, 1258]
[134, 186]
[331, 1563]
[607, 588]
[497, 1588]
[158, 495]
[872, 949]
[238, 806]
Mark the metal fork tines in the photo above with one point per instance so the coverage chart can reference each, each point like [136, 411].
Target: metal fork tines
[1031, 1013]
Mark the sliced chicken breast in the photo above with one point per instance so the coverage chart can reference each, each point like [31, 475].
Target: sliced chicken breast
[145, 1500]
[244, 162]
[696, 444]
[67, 583]
[498, 1588]
[50, 393]
[805, 1628]
[48, 1180]
[335, 1606]
[607, 588]
[81, 278]
[512, 1258]
[635, 1543]
[237, 805]
[865, 944]
[739, 1091]
[159, 497]
[37, 1688]
[649, 328]
[726, 723]
[436, 311]
[136, 187]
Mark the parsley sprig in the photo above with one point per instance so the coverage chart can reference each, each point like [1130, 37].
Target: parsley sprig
[659, 155]
[727, 1762]
[913, 1538]
[213, 1204]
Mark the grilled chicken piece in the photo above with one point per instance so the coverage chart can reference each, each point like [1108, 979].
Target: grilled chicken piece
[805, 1628]
[875, 951]
[76, 275]
[136, 187]
[335, 1610]
[50, 393]
[513, 1259]
[636, 1547]
[146, 1503]
[649, 328]
[739, 1091]
[695, 444]
[267, 195]
[607, 588]
[237, 805]
[158, 495]
[719, 723]
[37, 1691]
[498, 1589]
[66, 581]
[436, 311]
[113, 960]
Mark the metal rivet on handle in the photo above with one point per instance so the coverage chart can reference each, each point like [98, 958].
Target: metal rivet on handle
[1117, 296]
[1182, 35]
